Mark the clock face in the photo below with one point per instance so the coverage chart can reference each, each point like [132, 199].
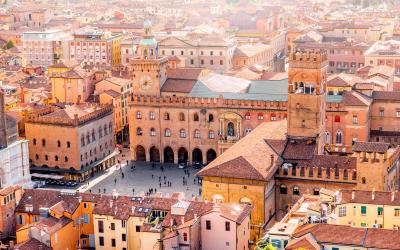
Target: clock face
[145, 82]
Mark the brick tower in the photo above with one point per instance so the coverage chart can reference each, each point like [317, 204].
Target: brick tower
[149, 70]
[3, 127]
[306, 95]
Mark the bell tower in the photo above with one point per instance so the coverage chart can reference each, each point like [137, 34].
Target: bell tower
[307, 95]
[149, 70]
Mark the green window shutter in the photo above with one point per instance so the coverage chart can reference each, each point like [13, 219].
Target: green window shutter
[363, 224]
[335, 248]
[363, 209]
[380, 210]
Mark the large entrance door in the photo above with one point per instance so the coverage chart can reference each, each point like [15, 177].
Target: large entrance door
[182, 155]
[140, 153]
[154, 154]
[211, 155]
[168, 155]
[197, 155]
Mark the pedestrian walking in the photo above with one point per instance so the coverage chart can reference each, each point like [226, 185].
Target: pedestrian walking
[152, 176]
[155, 190]
[133, 190]
[159, 178]
[99, 190]
[115, 181]
[160, 184]
[104, 190]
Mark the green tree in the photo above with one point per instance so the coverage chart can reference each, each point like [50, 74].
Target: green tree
[9, 45]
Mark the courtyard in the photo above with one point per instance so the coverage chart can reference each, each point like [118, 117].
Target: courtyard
[137, 178]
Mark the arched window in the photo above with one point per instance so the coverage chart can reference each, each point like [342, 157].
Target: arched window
[166, 116]
[87, 138]
[273, 117]
[327, 137]
[245, 200]
[43, 142]
[110, 127]
[296, 190]
[283, 189]
[196, 117]
[100, 132]
[181, 116]
[82, 140]
[345, 174]
[66, 159]
[197, 133]
[138, 115]
[68, 144]
[105, 130]
[56, 158]
[37, 157]
[338, 137]
[210, 118]
[58, 144]
[93, 135]
[260, 116]
[211, 134]
[316, 191]
[34, 141]
[152, 132]
[247, 116]
[182, 133]
[167, 132]
[139, 131]
[363, 180]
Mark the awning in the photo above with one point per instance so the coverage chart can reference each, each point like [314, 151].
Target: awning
[48, 176]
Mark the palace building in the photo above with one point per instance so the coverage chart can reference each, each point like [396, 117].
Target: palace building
[83, 146]
[193, 115]
[279, 161]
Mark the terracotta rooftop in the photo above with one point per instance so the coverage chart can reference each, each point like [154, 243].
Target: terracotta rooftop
[371, 238]
[31, 244]
[386, 95]
[186, 73]
[377, 147]
[178, 85]
[306, 242]
[299, 149]
[250, 156]
[366, 197]
[354, 98]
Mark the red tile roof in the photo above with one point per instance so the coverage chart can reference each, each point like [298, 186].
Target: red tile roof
[31, 244]
[371, 238]
[365, 197]
[377, 147]
[386, 95]
[178, 85]
[299, 149]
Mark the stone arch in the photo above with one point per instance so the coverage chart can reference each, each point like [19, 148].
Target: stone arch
[211, 155]
[168, 155]
[140, 153]
[245, 200]
[154, 154]
[183, 155]
[217, 198]
[197, 155]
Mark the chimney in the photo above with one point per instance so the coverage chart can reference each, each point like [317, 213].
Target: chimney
[272, 159]
[392, 196]
[3, 127]
[353, 195]
[182, 219]
[373, 193]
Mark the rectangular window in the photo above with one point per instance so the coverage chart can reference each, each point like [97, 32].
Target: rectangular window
[355, 119]
[113, 242]
[137, 228]
[101, 226]
[101, 241]
[380, 211]
[227, 226]
[123, 223]
[123, 237]
[113, 226]
[208, 225]
[363, 210]
[342, 211]
[397, 212]
[86, 219]
[397, 113]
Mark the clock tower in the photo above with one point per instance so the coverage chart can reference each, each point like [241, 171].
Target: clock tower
[307, 95]
[149, 70]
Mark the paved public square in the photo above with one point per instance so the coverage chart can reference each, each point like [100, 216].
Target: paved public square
[143, 177]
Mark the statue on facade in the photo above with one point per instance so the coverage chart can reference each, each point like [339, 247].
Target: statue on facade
[231, 130]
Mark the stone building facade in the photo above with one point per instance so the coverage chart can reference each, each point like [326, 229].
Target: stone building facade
[84, 143]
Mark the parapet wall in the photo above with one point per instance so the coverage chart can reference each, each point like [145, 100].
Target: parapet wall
[39, 116]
